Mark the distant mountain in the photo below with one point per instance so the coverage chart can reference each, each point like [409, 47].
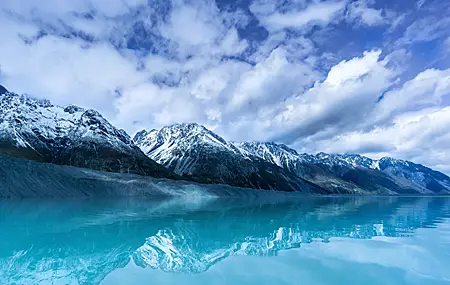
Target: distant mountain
[353, 173]
[37, 130]
[191, 149]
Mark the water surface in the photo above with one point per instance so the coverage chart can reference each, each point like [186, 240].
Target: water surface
[355, 240]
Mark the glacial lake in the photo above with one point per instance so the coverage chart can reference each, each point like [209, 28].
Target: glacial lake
[334, 240]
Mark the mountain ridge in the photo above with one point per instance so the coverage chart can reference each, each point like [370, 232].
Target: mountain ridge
[396, 169]
[37, 130]
[192, 149]
[336, 173]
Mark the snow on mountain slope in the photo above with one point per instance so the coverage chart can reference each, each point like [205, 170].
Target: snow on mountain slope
[173, 145]
[191, 149]
[360, 171]
[38, 130]
[278, 154]
[24, 118]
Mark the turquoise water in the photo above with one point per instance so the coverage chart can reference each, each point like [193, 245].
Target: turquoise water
[309, 241]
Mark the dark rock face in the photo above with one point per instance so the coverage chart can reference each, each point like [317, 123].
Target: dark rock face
[3, 90]
[72, 109]
[228, 168]
[101, 157]
[140, 135]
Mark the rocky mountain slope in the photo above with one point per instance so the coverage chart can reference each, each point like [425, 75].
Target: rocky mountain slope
[37, 130]
[21, 178]
[191, 149]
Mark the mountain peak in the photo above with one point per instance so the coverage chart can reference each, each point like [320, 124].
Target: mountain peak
[3, 90]
[72, 109]
[188, 127]
[192, 149]
[391, 159]
[29, 121]
[194, 133]
[274, 153]
[323, 155]
[140, 135]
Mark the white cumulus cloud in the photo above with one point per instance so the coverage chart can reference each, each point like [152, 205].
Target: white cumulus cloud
[275, 70]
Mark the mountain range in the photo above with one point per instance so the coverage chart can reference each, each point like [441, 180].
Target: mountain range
[191, 149]
[38, 130]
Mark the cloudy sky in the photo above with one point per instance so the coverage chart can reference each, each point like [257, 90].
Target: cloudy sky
[365, 76]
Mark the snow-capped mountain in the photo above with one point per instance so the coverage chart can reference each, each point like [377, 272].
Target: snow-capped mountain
[170, 146]
[355, 172]
[38, 130]
[191, 149]
[278, 154]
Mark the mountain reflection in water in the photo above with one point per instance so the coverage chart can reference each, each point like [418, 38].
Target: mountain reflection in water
[83, 241]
